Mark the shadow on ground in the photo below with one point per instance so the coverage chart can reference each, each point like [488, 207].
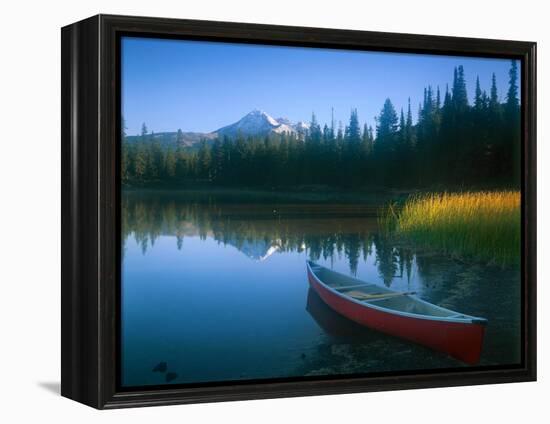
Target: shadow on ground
[51, 386]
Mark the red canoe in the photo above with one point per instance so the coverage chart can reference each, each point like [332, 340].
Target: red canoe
[400, 314]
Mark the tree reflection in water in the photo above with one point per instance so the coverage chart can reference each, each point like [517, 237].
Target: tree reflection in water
[261, 229]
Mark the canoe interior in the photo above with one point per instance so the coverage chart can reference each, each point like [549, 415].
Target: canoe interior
[353, 287]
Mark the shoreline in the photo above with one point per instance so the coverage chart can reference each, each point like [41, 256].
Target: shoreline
[325, 195]
[306, 194]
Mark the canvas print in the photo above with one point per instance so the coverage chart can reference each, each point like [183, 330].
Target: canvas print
[298, 213]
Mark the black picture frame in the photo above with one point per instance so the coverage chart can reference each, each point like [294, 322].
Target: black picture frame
[91, 206]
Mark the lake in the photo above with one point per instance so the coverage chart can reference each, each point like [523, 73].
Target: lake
[216, 288]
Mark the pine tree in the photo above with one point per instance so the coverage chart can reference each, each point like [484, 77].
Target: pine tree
[314, 130]
[353, 130]
[386, 128]
[512, 102]
[460, 95]
[478, 102]
[409, 126]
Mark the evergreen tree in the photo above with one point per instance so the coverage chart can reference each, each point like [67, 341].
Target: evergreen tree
[478, 102]
[409, 137]
[353, 130]
[460, 96]
[512, 102]
[314, 130]
[386, 143]
[387, 124]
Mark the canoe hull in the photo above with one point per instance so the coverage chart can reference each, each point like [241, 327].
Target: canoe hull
[462, 341]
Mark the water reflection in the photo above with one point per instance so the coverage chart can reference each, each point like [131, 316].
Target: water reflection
[334, 324]
[260, 230]
[204, 279]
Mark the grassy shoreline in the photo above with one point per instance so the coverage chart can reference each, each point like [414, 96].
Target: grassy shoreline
[483, 225]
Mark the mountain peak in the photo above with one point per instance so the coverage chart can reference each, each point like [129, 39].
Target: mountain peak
[256, 123]
[261, 115]
[256, 112]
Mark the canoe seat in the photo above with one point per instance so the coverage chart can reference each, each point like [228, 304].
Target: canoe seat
[353, 286]
[372, 296]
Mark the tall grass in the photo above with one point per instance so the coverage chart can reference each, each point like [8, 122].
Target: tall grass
[484, 225]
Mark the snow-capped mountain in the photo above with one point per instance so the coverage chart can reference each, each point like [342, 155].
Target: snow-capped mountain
[257, 123]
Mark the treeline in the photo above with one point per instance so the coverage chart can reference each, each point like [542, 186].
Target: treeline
[452, 143]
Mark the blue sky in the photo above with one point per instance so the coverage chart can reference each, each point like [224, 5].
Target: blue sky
[202, 86]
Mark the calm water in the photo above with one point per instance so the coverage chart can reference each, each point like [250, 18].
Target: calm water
[217, 290]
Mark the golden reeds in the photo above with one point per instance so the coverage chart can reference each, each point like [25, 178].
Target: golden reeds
[485, 225]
